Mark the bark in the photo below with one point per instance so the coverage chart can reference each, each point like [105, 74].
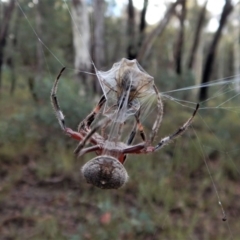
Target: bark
[180, 40]
[142, 25]
[197, 34]
[98, 46]
[236, 49]
[135, 39]
[227, 9]
[236, 56]
[81, 38]
[131, 50]
[7, 14]
[31, 85]
[11, 65]
[149, 40]
[11, 59]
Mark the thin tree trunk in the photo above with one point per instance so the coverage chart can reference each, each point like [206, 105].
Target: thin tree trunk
[149, 40]
[11, 65]
[236, 51]
[180, 40]
[212, 50]
[131, 49]
[135, 39]
[81, 39]
[237, 65]
[142, 25]
[98, 46]
[32, 89]
[11, 59]
[196, 40]
[7, 14]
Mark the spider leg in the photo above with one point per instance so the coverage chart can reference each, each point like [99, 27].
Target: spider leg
[89, 149]
[140, 127]
[181, 130]
[134, 149]
[158, 120]
[55, 103]
[130, 139]
[132, 135]
[86, 123]
[75, 135]
[89, 135]
[58, 111]
[137, 126]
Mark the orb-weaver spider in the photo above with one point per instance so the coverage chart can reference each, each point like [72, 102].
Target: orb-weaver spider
[106, 170]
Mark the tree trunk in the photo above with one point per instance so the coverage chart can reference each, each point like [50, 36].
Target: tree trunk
[131, 49]
[180, 40]
[32, 89]
[11, 59]
[81, 39]
[237, 65]
[98, 46]
[142, 25]
[7, 14]
[135, 39]
[149, 40]
[11, 65]
[196, 40]
[236, 52]
[212, 50]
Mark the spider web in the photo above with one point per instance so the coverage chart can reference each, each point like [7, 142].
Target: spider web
[224, 98]
[117, 84]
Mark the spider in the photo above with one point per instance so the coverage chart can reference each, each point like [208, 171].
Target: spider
[106, 170]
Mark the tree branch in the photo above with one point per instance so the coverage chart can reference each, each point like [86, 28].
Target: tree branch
[148, 42]
[197, 36]
[227, 9]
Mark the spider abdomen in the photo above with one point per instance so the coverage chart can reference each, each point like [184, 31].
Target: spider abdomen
[105, 172]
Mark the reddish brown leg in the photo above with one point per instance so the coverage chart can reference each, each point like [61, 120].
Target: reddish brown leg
[54, 101]
[86, 123]
[181, 130]
[134, 149]
[89, 136]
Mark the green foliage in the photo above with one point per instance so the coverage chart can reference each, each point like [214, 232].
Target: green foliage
[169, 188]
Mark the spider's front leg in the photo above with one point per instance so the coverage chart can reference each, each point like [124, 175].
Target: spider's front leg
[58, 112]
[181, 130]
[141, 148]
[159, 117]
[55, 104]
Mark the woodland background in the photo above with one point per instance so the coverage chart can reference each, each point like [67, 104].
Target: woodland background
[170, 194]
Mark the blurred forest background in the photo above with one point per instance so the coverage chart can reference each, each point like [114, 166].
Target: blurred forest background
[180, 192]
